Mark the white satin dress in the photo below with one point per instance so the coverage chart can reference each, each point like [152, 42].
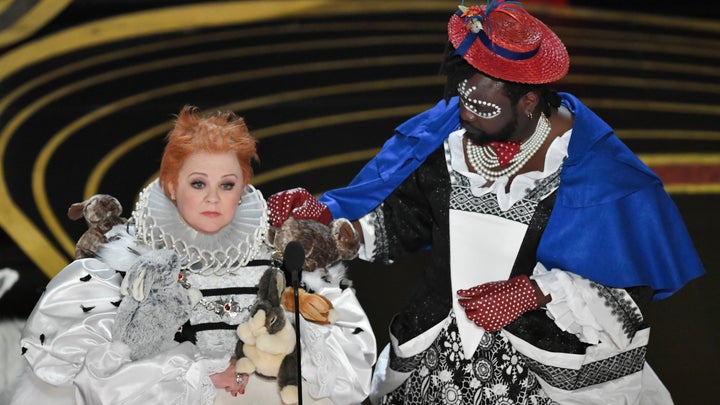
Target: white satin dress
[73, 359]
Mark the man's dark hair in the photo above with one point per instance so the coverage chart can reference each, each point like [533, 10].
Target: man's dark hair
[548, 97]
[456, 69]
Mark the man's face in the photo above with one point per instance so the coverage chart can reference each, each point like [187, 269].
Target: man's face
[485, 112]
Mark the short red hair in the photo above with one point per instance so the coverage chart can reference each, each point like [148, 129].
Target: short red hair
[220, 132]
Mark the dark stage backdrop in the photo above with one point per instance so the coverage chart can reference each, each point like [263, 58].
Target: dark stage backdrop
[88, 88]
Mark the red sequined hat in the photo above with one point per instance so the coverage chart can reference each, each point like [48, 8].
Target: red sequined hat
[504, 41]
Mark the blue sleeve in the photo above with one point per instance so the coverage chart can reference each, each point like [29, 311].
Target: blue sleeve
[411, 144]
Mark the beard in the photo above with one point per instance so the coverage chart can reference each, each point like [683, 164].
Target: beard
[480, 137]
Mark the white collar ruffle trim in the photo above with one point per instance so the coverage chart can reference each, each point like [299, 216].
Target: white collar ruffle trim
[159, 225]
[557, 152]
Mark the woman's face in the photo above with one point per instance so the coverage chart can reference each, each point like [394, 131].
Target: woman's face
[208, 191]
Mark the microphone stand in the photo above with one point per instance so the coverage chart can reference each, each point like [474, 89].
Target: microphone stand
[296, 286]
[293, 260]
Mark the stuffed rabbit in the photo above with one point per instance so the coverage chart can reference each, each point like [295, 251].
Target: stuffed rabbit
[267, 340]
[101, 212]
[155, 304]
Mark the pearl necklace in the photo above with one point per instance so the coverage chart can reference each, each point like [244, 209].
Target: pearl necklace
[484, 161]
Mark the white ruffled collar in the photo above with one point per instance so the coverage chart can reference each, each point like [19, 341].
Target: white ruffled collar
[556, 154]
[159, 225]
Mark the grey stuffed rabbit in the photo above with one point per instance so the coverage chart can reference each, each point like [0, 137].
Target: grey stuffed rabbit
[155, 304]
[267, 340]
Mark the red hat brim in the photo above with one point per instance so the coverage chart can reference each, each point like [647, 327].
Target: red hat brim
[549, 64]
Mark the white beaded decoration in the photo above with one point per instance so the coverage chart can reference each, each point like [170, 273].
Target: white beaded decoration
[472, 104]
[484, 161]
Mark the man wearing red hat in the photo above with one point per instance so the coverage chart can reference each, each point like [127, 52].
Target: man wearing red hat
[547, 234]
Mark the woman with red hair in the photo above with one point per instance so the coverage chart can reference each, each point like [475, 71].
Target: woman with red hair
[211, 223]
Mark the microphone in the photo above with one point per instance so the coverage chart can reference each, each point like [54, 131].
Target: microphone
[293, 260]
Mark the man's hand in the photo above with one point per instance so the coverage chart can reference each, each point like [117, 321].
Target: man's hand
[494, 305]
[299, 203]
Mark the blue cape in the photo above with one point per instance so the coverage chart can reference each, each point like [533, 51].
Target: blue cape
[612, 222]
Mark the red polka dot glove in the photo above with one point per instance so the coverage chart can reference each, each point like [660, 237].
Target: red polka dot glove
[494, 305]
[299, 203]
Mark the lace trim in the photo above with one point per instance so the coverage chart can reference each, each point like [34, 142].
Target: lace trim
[521, 184]
[159, 225]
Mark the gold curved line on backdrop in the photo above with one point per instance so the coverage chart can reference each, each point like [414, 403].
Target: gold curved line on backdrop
[92, 186]
[366, 154]
[336, 119]
[32, 21]
[628, 17]
[38, 183]
[691, 188]
[194, 58]
[319, 44]
[357, 116]
[669, 159]
[14, 221]
[170, 44]
[645, 105]
[101, 36]
[187, 58]
[308, 165]
[648, 159]
[677, 134]
[4, 4]
[644, 65]
[680, 158]
[96, 175]
[630, 39]
[38, 179]
[655, 47]
[100, 170]
[18, 119]
[16, 224]
[314, 164]
[642, 82]
[176, 18]
[633, 35]
[153, 22]
[180, 60]
[25, 113]
[120, 73]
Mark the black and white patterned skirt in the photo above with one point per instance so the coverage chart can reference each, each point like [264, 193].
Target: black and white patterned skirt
[495, 375]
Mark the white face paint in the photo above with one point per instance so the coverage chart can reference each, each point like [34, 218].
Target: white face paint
[480, 108]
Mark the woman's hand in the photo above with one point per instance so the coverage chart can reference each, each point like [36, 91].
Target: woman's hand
[230, 380]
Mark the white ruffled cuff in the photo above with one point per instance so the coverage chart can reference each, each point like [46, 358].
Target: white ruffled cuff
[198, 376]
[368, 246]
[568, 307]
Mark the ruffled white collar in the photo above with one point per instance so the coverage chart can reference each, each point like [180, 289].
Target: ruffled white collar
[556, 154]
[159, 225]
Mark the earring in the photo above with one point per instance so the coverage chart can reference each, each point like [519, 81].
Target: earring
[172, 197]
[530, 115]
[240, 201]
